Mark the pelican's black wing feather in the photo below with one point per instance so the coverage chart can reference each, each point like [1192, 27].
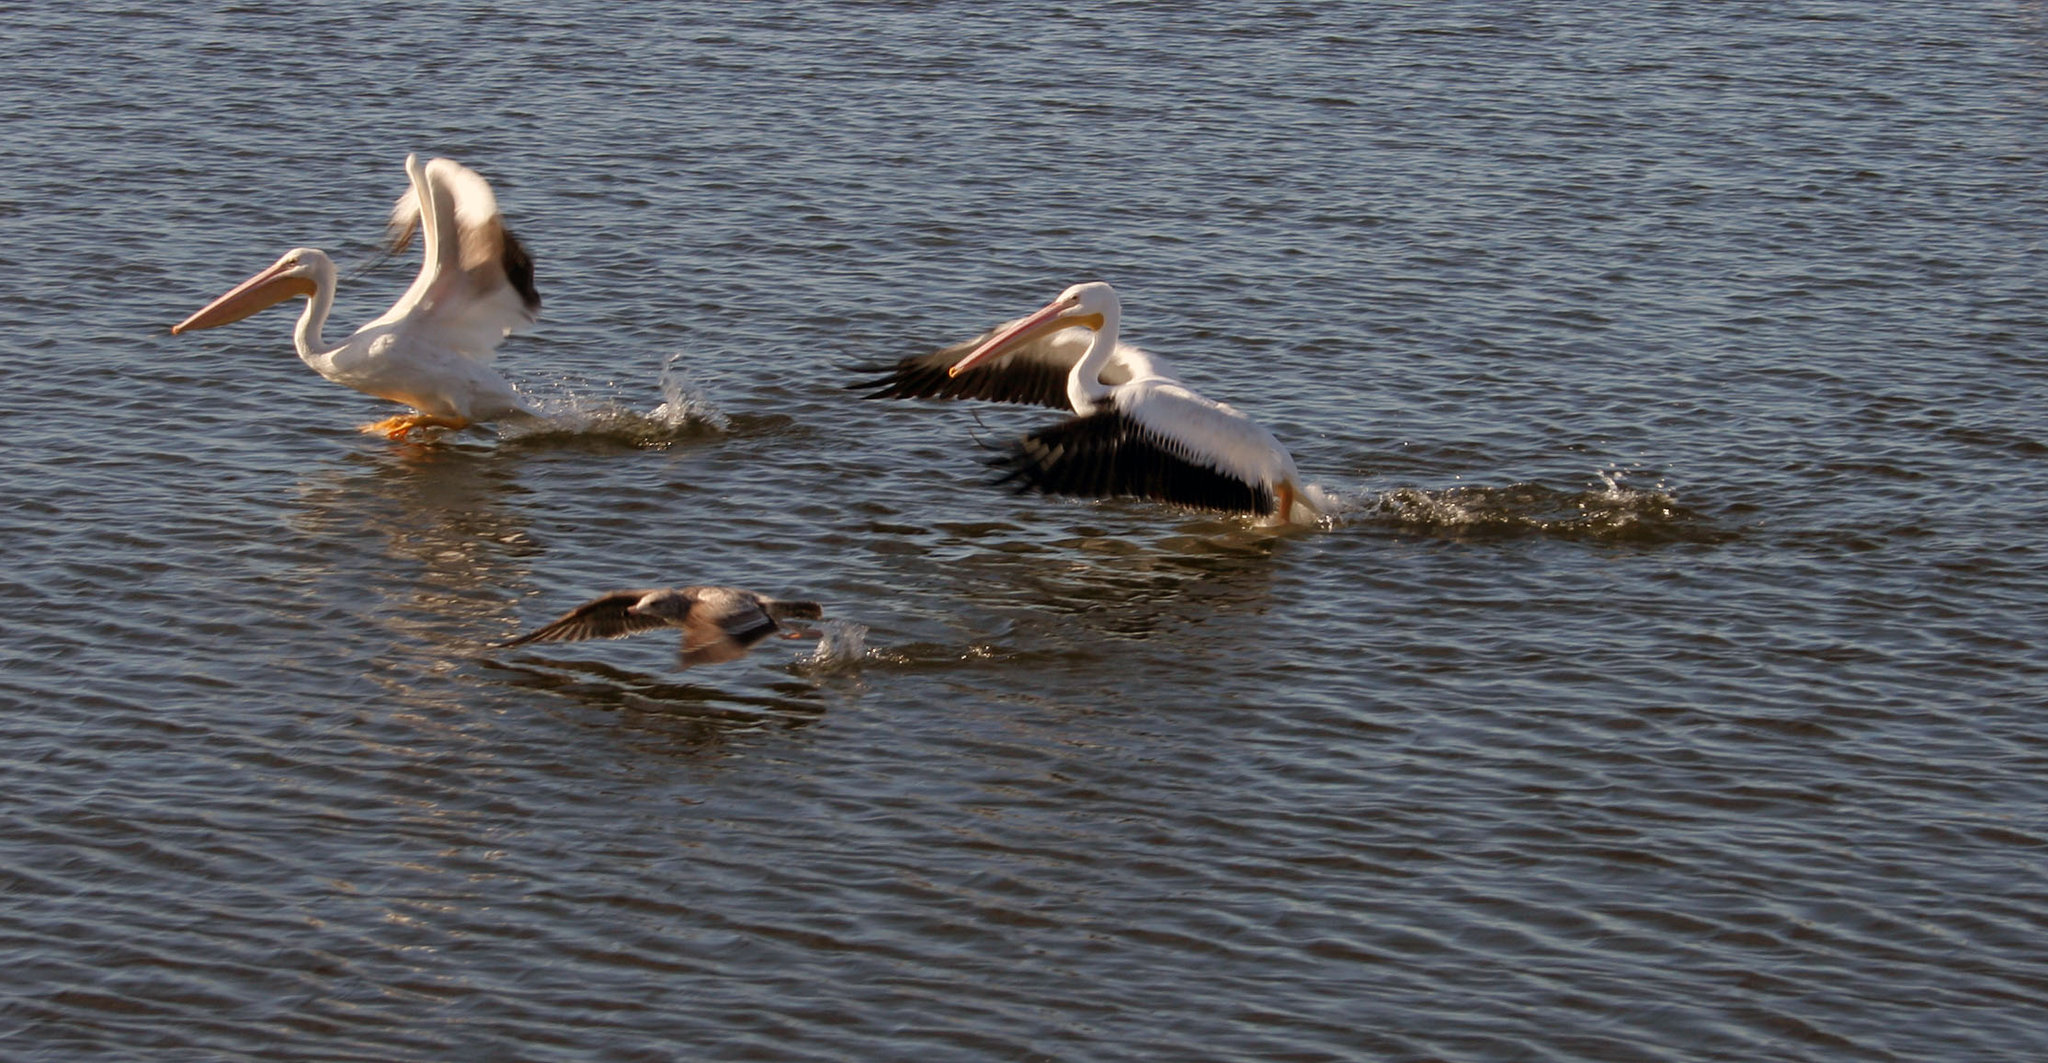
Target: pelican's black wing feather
[1023, 377]
[1107, 454]
[518, 266]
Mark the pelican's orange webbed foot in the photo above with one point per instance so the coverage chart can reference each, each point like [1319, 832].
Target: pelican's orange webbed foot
[398, 428]
[390, 427]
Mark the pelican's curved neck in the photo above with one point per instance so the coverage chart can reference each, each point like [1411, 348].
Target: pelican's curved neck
[306, 337]
[1085, 389]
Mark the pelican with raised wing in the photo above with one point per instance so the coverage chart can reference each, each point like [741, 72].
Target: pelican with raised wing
[432, 350]
[1136, 431]
[718, 623]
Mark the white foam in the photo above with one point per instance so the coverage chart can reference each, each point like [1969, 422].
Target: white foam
[686, 409]
[841, 644]
[685, 401]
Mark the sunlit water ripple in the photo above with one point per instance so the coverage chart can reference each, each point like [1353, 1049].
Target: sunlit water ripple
[1666, 684]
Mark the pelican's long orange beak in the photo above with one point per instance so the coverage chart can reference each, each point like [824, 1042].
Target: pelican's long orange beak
[1055, 316]
[264, 290]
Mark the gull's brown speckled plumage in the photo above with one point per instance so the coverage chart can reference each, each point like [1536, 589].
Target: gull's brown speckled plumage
[718, 623]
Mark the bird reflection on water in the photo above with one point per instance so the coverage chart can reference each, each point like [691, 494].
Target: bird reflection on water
[1199, 587]
[676, 717]
[421, 542]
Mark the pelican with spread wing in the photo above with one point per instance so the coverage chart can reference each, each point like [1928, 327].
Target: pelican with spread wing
[1136, 431]
[432, 350]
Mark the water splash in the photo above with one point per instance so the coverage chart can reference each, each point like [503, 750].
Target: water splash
[842, 646]
[685, 412]
[1614, 511]
[685, 401]
[1330, 506]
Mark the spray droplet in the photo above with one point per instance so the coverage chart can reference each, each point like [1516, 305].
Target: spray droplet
[684, 401]
[841, 643]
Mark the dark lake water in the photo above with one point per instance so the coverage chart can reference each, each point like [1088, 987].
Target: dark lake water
[1668, 686]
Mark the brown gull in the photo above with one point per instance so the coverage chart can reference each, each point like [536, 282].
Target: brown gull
[718, 623]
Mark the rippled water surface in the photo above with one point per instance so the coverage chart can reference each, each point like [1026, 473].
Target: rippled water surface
[1668, 685]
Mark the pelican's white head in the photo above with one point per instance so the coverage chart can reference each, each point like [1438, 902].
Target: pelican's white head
[1089, 306]
[1093, 299]
[302, 271]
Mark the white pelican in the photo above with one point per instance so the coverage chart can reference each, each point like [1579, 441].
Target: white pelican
[1136, 431]
[719, 623]
[432, 350]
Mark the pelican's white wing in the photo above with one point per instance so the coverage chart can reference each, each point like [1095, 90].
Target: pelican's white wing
[1156, 439]
[475, 284]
